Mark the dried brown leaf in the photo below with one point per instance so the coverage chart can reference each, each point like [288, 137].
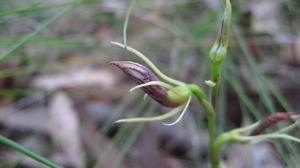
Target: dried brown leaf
[64, 128]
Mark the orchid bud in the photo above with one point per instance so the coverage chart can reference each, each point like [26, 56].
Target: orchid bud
[142, 75]
[218, 51]
[270, 120]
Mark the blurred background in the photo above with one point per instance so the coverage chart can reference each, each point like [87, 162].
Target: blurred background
[59, 96]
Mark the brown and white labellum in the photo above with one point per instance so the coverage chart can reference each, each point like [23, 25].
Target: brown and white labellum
[141, 74]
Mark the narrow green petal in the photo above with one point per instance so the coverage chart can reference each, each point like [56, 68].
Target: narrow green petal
[288, 128]
[246, 128]
[274, 136]
[150, 119]
[181, 115]
[150, 64]
[125, 26]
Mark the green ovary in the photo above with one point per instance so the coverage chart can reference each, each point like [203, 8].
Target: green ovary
[179, 94]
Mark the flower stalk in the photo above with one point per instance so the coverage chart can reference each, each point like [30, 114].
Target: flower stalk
[210, 114]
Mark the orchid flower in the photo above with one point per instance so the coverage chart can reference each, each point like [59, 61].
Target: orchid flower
[171, 93]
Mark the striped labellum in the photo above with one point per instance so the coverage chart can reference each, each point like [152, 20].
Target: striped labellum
[142, 75]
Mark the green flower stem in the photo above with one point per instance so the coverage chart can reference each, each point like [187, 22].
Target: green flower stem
[216, 149]
[28, 153]
[211, 117]
[215, 73]
[230, 136]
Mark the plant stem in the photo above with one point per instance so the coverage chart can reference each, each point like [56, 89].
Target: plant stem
[28, 153]
[215, 73]
[216, 149]
[214, 154]
[211, 117]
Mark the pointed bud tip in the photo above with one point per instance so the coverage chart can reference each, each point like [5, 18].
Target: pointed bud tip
[123, 65]
[116, 63]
